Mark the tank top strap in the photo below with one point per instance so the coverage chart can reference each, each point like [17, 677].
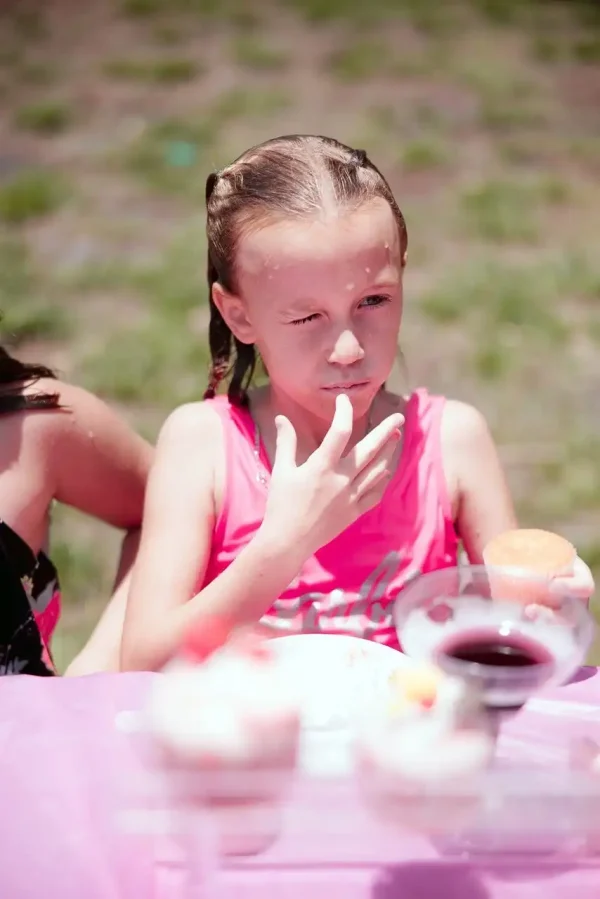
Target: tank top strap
[422, 461]
[244, 493]
[237, 421]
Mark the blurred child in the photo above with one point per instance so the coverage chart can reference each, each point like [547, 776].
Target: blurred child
[58, 442]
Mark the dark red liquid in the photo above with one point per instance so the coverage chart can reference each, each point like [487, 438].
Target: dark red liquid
[492, 649]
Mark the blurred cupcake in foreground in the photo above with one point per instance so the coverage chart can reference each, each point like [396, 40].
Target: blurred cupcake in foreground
[226, 723]
[419, 759]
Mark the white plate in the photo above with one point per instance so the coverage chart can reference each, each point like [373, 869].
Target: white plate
[337, 679]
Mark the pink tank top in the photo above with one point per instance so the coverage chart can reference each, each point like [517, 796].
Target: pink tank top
[350, 584]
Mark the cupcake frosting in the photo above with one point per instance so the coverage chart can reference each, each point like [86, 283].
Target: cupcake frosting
[434, 731]
[232, 705]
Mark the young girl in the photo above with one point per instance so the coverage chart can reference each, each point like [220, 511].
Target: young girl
[59, 442]
[308, 504]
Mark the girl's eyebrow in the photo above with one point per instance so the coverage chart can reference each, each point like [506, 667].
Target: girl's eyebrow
[298, 309]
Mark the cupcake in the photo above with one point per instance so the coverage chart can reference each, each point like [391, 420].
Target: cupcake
[420, 757]
[542, 554]
[225, 722]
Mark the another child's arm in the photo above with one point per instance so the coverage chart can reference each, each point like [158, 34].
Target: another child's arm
[482, 503]
[99, 464]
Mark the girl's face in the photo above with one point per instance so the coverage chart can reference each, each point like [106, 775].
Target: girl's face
[322, 300]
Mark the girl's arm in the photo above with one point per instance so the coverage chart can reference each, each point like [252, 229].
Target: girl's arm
[476, 481]
[483, 503]
[175, 546]
[100, 466]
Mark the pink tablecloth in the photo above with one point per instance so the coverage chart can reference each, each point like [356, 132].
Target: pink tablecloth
[64, 767]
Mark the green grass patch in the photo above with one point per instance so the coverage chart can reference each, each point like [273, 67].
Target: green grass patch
[491, 362]
[50, 117]
[171, 156]
[571, 480]
[498, 12]
[26, 311]
[507, 103]
[30, 195]
[577, 277]
[80, 567]
[18, 280]
[506, 300]
[518, 151]
[318, 12]
[428, 16]
[587, 49]
[28, 23]
[245, 19]
[174, 156]
[155, 71]
[223, 10]
[176, 285]
[168, 35]
[142, 8]
[424, 154]
[499, 211]
[548, 48]
[162, 363]
[97, 276]
[586, 152]
[358, 60]
[36, 321]
[508, 211]
[38, 73]
[252, 52]
[165, 360]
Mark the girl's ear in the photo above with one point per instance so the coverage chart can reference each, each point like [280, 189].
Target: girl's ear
[404, 258]
[233, 310]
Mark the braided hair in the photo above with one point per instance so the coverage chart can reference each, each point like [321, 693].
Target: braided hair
[286, 177]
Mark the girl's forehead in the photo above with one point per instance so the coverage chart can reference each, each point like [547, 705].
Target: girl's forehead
[366, 236]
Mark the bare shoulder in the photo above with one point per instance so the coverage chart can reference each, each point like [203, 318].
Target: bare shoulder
[84, 420]
[195, 424]
[188, 470]
[463, 425]
[466, 443]
[190, 448]
[95, 459]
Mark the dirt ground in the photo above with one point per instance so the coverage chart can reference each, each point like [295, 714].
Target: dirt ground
[484, 115]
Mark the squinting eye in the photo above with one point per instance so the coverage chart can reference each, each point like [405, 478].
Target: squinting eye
[375, 300]
[304, 321]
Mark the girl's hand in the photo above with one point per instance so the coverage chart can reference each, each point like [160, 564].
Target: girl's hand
[579, 584]
[310, 504]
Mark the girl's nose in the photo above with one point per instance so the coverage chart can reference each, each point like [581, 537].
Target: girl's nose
[346, 350]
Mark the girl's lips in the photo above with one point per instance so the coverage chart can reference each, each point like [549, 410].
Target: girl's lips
[347, 388]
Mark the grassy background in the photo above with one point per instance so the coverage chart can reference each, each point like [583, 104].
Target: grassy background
[485, 114]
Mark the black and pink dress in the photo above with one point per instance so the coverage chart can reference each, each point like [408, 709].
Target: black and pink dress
[29, 607]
